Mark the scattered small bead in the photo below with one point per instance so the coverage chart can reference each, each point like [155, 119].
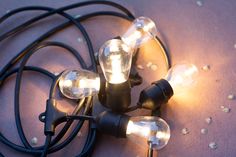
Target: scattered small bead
[204, 131]
[56, 73]
[206, 67]
[185, 131]
[154, 67]
[77, 16]
[208, 120]
[231, 96]
[34, 141]
[80, 40]
[199, 3]
[79, 134]
[222, 107]
[140, 67]
[213, 145]
[226, 110]
[96, 54]
[149, 64]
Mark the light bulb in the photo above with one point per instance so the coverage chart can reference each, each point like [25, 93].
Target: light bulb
[152, 130]
[181, 76]
[115, 60]
[141, 30]
[77, 83]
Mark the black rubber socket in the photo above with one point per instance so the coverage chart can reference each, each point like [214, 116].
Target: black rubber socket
[112, 124]
[118, 96]
[155, 95]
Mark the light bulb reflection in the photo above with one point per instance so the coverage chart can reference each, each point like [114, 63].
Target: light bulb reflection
[148, 129]
[182, 76]
[77, 84]
[141, 30]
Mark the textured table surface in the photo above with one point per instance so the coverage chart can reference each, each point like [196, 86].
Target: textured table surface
[199, 32]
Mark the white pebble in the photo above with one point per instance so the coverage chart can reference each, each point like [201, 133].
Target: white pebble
[185, 131]
[140, 67]
[79, 134]
[204, 131]
[231, 96]
[208, 120]
[34, 141]
[222, 107]
[56, 73]
[206, 67]
[226, 110]
[149, 64]
[235, 46]
[96, 54]
[154, 67]
[199, 3]
[80, 40]
[77, 16]
[213, 145]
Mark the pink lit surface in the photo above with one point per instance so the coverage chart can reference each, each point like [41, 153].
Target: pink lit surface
[202, 35]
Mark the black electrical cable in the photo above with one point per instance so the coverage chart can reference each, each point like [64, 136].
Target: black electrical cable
[46, 145]
[3, 78]
[60, 11]
[1, 155]
[55, 30]
[92, 136]
[19, 77]
[76, 23]
[80, 117]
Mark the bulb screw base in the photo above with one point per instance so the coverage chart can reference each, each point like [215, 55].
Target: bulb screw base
[155, 95]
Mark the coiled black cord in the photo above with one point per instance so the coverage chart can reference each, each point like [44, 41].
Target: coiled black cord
[34, 46]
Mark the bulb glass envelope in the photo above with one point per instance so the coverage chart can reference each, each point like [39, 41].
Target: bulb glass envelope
[141, 30]
[78, 83]
[182, 76]
[115, 59]
[144, 130]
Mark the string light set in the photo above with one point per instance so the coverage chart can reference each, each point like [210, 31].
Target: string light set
[111, 86]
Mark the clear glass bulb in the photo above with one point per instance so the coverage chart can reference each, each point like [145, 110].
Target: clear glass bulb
[115, 59]
[181, 76]
[77, 83]
[149, 130]
[141, 30]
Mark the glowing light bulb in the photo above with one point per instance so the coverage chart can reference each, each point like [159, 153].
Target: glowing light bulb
[141, 30]
[77, 83]
[150, 130]
[181, 76]
[115, 60]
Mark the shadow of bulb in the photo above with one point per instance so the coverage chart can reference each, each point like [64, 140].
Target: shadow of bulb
[77, 83]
